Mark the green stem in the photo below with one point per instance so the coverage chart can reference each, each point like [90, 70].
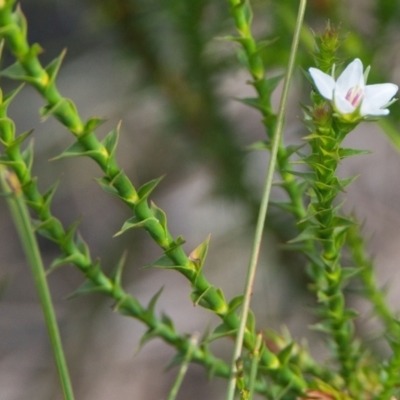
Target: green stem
[19, 211]
[276, 140]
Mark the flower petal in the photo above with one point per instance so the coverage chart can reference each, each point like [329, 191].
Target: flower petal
[351, 77]
[324, 83]
[376, 97]
[342, 105]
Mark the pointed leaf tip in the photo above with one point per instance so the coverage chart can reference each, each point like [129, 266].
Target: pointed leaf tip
[198, 255]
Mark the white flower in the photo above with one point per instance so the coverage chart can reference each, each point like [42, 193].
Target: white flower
[351, 98]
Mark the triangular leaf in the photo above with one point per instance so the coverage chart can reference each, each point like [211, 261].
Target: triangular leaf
[134, 222]
[262, 44]
[285, 206]
[27, 156]
[87, 287]
[293, 149]
[69, 237]
[307, 176]
[153, 301]
[308, 234]
[21, 138]
[111, 140]
[44, 228]
[8, 98]
[165, 319]
[61, 261]
[198, 298]
[198, 255]
[221, 331]
[165, 262]
[21, 21]
[92, 123]
[253, 102]
[273, 82]
[53, 68]
[82, 246]
[49, 195]
[145, 190]
[350, 272]
[107, 186]
[285, 354]
[160, 215]
[75, 150]
[235, 302]
[345, 153]
[16, 71]
[117, 275]
[347, 181]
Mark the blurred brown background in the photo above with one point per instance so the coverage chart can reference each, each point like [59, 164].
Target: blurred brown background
[157, 66]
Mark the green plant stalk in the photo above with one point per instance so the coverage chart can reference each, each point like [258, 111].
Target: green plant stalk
[276, 141]
[330, 230]
[377, 298]
[28, 68]
[19, 211]
[264, 89]
[76, 252]
[183, 369]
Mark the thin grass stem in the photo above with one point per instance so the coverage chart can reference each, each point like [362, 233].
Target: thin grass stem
[20, 214]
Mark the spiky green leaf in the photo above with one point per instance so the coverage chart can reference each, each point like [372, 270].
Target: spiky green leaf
[75, 150]
[221, 331]
[145, 190]
[87, 287]
[53, 68]
[116, 276]
[253, 102]
[16, 71]
[285, 354]
[110, 142]
[134, 222]
[160, 215]
[198, 255]
[92, 123]
[345, 153]
[310, 233]
[153, 301]
[107, 185]
[164, 262]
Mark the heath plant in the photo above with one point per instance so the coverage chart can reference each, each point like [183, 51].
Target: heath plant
[263, 363]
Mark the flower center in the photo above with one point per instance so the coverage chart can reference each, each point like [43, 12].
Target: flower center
[354, 96]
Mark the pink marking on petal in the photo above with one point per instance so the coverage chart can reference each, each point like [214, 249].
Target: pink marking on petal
[354, 96]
